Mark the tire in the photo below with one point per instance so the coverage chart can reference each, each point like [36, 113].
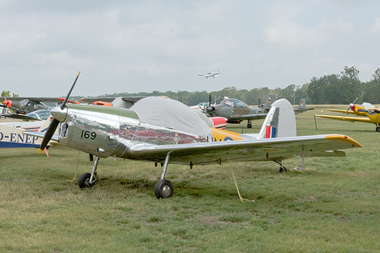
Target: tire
[163, 189]
[84, 181]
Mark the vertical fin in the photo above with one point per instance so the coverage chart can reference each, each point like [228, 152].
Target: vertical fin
[269, 102]
[280, 121]
[302, 104]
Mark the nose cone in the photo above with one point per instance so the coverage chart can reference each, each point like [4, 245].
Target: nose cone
[216, 107]
[7, 103]
[59, 114]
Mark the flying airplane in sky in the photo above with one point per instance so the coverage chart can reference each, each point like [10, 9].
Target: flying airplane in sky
[371, 113]
[211, 74]
[166, 131]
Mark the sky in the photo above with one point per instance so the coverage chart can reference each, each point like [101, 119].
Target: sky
[163, 45]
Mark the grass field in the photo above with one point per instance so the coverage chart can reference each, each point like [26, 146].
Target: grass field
[333, 206]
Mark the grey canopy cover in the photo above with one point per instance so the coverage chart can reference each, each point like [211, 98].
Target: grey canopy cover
[172, 114]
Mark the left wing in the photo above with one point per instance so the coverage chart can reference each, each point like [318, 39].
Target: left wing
[35, 99]
[299, 110]
[111, 99]
[41, 134]
[19, 116]
[342, 111]
[247, 150]
[249, 116]
[351, 119]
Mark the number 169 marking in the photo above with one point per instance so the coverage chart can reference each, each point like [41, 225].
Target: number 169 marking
[88, 135]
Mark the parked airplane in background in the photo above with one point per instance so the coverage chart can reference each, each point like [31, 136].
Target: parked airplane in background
[164, 130]
[25, 105]
[235, 110]
[211, 74]
[118, 102]
[302, 107]
[28, 104]
[35, 115]
[12, 136]
[368, 110]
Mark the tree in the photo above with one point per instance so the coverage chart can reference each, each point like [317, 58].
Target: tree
[350, 86]
[7, 93]
[372, 89]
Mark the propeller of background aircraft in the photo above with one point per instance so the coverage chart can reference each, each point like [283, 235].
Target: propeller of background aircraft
[351, 105]
[54, 123]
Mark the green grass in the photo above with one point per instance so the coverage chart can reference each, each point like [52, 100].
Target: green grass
[333, 206]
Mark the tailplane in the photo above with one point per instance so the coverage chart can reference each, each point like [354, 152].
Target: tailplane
[280, 121]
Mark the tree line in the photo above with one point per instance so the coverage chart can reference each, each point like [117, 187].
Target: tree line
[341, 88]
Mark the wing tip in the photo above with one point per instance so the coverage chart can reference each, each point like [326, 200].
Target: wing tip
[343, 138]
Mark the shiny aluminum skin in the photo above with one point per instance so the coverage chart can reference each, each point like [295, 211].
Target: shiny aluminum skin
[105, 134]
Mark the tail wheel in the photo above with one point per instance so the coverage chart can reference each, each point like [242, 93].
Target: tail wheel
[283, 169]
[163, 189]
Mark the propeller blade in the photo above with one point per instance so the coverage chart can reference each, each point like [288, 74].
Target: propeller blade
[49, 133]
[351, 105]
[54, 123]
[209, 99]
[68, 94]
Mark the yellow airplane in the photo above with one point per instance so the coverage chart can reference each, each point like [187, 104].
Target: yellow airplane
[368, 110]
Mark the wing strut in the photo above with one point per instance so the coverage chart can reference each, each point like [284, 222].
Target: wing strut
[303, 156]
[164, 188]
[165, 165]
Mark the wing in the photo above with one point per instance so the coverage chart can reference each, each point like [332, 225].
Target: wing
[41, 135]
[342, 111]
[111, 99]
[249, 116]
[248, 150]
[351, 119]
[35, 99]
[19, 116]
[299, 110]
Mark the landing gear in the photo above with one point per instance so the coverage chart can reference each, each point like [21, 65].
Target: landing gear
[378, 129]
[249, 124]
[163, 188]
[87, 180]
[283, 169]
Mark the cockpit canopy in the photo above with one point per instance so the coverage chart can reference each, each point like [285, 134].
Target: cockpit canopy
[233, 102]
[40, 114]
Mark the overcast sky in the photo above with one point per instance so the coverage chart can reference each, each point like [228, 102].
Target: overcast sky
[134, 46]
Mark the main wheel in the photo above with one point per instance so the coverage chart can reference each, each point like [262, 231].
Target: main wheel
[84, 181]
[378, 129]
[249, 125]
[163, 189]
[283, 169]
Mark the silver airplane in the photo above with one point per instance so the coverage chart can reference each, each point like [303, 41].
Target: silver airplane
[166, 131]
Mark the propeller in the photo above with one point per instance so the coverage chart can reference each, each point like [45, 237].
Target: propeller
[54, 123]
[351, 105]
[209, 100]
